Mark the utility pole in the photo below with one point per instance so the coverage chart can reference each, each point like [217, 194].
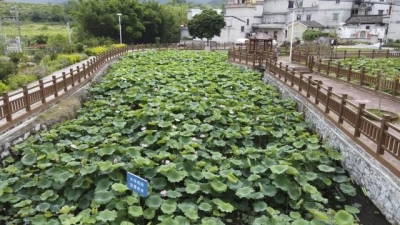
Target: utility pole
[69, 33]
[19, 27]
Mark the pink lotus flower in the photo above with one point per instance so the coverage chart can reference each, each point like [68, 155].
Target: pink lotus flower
[202, 135]
[194, 139]
[115, 160]
[164, 193]
[166, 162]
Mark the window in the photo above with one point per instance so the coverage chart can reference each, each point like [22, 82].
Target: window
[335, 16]
[367, 27]
[242, 29]
[248, 22]
[354, 11]
[276, 35]
[308, 17]
[290, 6]
[380, 12]
[382, 0]
[285, 33]
[298, 17]
[363, 34]
[337, 1]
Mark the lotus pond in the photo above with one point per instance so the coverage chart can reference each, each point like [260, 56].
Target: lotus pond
[216, 144]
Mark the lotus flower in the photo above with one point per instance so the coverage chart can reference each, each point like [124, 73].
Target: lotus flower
[112, 104]
[143, 128]
[231, 111]
[202, 135]
[73, 146]
[115, 160]
[144, 145]
[257, 118]
[166, 162]
[117, 111]
[174, 127]
[194, 139]
[195, 152]
[177, 120]
[164, 193]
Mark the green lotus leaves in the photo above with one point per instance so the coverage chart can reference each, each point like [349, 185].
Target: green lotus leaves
[154, 202]
[107, 215]
[344, 218]
[212, 140]
[218, 186]
[135, 211]
[351, 209]
[168, 206]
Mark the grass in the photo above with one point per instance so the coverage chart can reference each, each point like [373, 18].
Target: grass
[66, 109]
[29, 29]
[339, 49]
[380, 113]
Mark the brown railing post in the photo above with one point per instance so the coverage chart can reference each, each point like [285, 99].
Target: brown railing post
[362, 76]
[396, 86]
[317, 93]
[280, 69]
[65, 81]
[247, 58]
[71, 72]
[84, 71]
[387, 53]
[328, 98]
[357, 123]
[79, 74]
[338, 70]
[254, 60]
[349, 72]
[311, 64]
[329, 67]
[381, 138]
[300, 80]
[42, 91]
[373, 54]
[240, 56]
[308, 85]
[342, 105]
[27, 99]
[292, 77]
[359, 53]
[319, 65]
[345, 53]
[55, 86]
[7, 107]
[286, 72]
[379, 80]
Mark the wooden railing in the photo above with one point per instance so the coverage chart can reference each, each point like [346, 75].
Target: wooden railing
[18, 105]
[362, 78]
[185, 46]
[379, 130]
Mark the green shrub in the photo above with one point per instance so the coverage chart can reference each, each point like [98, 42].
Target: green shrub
[309, 34]
[15, 57]
[3, 87]
[72, 58]
[79, 47]
[94, 51]
[6, 69]
[17, 81]
[117, 45]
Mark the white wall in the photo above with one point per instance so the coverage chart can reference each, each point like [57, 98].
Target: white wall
[352, 31]
[394, 26]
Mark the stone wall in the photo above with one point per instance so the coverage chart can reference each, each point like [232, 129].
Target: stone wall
[383, 188]
[31, 126]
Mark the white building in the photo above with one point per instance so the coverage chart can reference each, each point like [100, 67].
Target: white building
[357, 20]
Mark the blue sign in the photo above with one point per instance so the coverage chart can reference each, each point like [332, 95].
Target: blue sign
[137, 184]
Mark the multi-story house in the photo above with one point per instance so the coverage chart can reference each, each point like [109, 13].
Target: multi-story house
[363, 20]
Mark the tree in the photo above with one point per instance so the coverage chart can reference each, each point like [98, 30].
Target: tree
[206, 24]
[310, 34]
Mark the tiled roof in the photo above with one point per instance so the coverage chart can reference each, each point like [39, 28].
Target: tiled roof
[312, 24]
[261, 36]
[365, 19]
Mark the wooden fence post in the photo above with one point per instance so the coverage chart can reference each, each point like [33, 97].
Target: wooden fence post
[247, 58]
[396, 86]
[373, 54]
[27, 99]
[308, 85]
[387, 53]
[317, 93]
[377, 85]
[71, 72]
[349, 73]
[42, 91]
[55, 86]
[286, 72]
[345, 54]
[311, 63]
[280, 69]
[338, 70]
[254, 60]
[319, 65]
[329, 67]
[292, 77]
[362, 76]
[359, 53]
[65, 81]
[7, 107]
[328, 98]
[84, 71]
[79, 74]
[342, 105]
[381, 137]
[240, 56]
[300, 80]
[360, 109]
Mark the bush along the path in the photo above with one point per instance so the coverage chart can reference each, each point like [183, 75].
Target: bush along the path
[216, 144]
